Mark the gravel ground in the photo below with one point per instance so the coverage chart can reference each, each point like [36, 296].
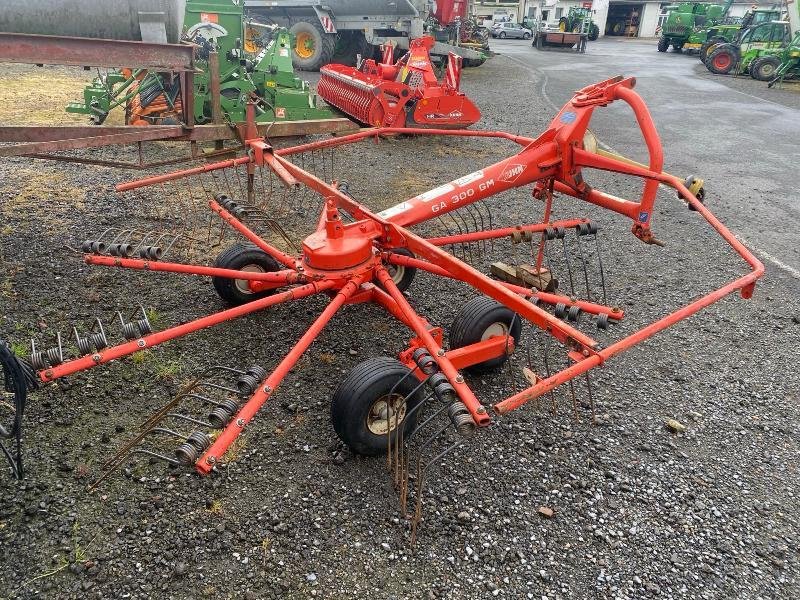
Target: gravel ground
[638, 511]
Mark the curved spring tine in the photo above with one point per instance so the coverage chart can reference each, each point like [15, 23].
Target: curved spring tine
[468, 210]
[169, 459]
[585, 267]
[399, 435]
[217, 386]
[224, 368]
[388, 417]
[189, 419]
[421, 476]
[466, 246]
[567, 262]
[600, 265]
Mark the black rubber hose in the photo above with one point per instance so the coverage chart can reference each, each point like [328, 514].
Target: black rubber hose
[18, 377]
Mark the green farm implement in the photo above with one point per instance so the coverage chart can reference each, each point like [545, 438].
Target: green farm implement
[755, 53]
[727, 32]
[686, 18]
[239, 61]
[579, 20]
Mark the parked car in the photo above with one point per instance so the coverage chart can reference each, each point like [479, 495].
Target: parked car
[510, 30]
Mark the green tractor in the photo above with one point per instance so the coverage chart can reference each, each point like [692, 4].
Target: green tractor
[254, 63]
[579, 20]
[789, 65]
[755, 52]
[730, 32]
[789, 62]
[685, 18]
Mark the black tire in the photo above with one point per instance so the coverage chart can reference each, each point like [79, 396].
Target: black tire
[677, 48]
[13, 390]
[563, 21]
[324, 45]
[502, 35]
[708, 44]
[355, 404]
[241, 257]
[594, 32]
[526, 36]
[663, 44]
[723, 59]
[474, 321]
[402, 276]
[473, 62]
[764, 67]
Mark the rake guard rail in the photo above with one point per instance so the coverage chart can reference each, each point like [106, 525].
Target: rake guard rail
[552, 161]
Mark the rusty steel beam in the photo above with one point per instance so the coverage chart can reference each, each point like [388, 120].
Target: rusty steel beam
[91, 52]
[34, 139]
[38, 141]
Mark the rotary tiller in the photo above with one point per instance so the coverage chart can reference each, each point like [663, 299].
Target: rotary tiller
[355, 255]
[405, 93]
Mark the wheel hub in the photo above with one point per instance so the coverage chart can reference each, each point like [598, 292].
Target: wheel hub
[386, 413]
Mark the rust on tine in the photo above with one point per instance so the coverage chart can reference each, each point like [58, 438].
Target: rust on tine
[591, 396]
[421, 473]
[149, 425]
[579, 239]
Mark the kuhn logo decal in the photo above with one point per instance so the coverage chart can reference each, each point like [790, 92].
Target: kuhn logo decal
[512, 173]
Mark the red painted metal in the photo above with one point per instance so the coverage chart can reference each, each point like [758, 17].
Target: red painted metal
[406, 92]
[348, 260]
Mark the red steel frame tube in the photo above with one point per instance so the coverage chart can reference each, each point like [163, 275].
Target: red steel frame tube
[285, 277]
[148, 341]
[281, 257]
[476, 409]
[492, 234]
[268, 386]
[589, 307]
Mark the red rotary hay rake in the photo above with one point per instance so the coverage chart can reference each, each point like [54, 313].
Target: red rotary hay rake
[402, 93]
[354, 255]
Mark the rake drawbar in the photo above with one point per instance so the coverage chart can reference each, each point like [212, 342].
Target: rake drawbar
[354, 254]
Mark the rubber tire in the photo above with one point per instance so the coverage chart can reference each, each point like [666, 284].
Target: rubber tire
[473, 62]
[408, 273]
[502, 35]
[324, 43]
[237, 257]
[677, 48]
[663, 44]
[526, 36]
[722, 48]
[757, 64]
[472, 321]
[594, 32]
[357, 392]
[707, 44]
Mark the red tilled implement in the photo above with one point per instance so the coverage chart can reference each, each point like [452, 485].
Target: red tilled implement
[405, 93]
[355, 255]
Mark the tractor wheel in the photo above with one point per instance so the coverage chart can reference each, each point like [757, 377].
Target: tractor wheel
[663, 44]
[563, 24]
[764, 67]
[242, 257]
[480, 319]
[311, 47]
[695, 186]
[594, 32]
[373, 400]
[402, 276]
[722, 59]
[708, 45]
